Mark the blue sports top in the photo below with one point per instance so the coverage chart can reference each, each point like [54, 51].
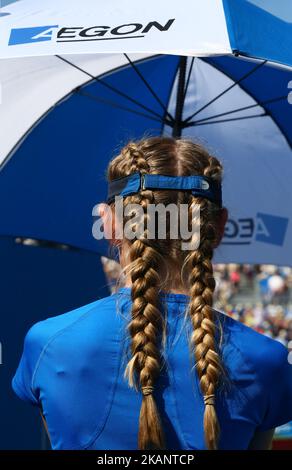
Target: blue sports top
[72, 366]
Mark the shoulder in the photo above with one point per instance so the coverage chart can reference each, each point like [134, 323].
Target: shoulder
[255, 351]
[99, 312]
[66, 341]
[261, 372]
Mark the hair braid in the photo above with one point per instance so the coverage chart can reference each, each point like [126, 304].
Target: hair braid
[202, 286]
[146, 324]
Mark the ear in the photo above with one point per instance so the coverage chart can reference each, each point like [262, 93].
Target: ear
[107, 215]
[221, 225]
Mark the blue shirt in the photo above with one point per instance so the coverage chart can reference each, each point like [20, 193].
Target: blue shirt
[72, 366]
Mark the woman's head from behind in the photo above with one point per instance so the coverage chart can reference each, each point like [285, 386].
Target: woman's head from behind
[160, 260]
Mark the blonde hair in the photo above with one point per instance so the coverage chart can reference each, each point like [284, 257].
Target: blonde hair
[152, 260]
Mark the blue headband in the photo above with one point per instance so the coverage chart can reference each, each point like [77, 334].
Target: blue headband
[199, 185]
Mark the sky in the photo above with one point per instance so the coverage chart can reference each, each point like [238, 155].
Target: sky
[280, 8]
[3, 3]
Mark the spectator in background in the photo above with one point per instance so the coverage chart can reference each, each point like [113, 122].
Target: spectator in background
[234, 277]
[276, 285]
[255, 295]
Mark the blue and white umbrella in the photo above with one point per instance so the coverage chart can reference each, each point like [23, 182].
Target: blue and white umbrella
[74, 91]
[251, 28]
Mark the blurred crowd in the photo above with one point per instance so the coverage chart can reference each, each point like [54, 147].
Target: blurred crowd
[258, 295]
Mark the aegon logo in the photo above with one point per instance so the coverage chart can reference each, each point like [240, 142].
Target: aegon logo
[92, 33]
[264, 228]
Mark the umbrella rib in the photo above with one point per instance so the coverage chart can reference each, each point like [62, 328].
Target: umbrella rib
[226, 90]
[244, 108]
[197, 123]
[189, 76]
[107, 85]
[149, 87]
[112, 103]
[179, 106]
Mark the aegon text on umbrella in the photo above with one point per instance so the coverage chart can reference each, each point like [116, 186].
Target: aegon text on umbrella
[95, 33]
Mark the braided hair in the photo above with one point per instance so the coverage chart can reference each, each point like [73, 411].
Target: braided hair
[156, 262]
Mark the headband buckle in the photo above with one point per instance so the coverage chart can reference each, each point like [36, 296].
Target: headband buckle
[142, 179]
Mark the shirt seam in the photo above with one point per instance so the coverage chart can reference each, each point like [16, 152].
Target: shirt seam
[249, 363]
[48, 343]
[109, 402]
[99, 429]
[17, 387]
[168, 297]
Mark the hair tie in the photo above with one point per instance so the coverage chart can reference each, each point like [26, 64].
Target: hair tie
[209, 400]
[147, 390]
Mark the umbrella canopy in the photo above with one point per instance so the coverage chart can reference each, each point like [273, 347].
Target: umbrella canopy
[253, 28]
[63, 118]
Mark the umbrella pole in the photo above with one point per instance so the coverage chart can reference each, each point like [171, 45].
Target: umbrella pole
[178, 123]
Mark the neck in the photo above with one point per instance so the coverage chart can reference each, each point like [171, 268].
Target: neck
[175, 287]
[172, 290]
